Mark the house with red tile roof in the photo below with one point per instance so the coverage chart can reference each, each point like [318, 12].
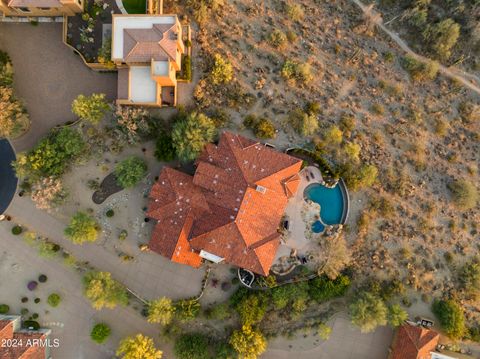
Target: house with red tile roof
[26, 344]
[147, 50]
[416, 342]
[229, 210]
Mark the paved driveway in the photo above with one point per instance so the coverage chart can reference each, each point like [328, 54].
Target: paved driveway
[72, 320]
[48, 76]
[151, 275]
[346, 342]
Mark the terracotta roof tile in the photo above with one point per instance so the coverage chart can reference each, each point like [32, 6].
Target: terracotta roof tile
[24, 351]
[158, 43]
[240, 190]
[413, 342]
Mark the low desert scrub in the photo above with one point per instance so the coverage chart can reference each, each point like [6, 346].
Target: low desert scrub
[297, 73]
[305, 123]
[294, 11]
[418, 70]
[277, 38]
[469, 112]
[222, 70]
[262, 127]
[464, 194]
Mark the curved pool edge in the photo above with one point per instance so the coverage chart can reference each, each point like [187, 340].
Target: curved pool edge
[346, 201]
[14, 184]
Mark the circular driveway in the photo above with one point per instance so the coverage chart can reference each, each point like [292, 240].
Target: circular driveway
[8, 180]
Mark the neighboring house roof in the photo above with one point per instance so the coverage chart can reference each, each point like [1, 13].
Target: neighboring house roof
[143, 38]
[35, 3]
[21, 351]
[414, 342]
[231, 207]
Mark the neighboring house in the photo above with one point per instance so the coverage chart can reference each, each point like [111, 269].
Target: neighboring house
[416, 342]
[17, 343]
[37, 8]
[229, 210]
[147, 50]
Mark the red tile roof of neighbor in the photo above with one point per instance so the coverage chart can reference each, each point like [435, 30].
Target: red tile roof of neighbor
[231, 207]
[23, 350]
[413, 342]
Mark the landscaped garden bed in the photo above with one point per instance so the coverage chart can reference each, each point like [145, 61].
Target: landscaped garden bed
[90, 33]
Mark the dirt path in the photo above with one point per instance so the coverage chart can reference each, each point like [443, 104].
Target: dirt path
[467, 79]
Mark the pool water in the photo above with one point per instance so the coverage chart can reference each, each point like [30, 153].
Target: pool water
[318, 227]
[330, 201]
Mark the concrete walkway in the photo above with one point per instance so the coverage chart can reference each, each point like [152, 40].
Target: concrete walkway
[48, 76]
[151, 275]
[346, 342]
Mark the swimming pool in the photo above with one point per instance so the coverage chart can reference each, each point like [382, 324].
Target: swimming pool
[333, 204]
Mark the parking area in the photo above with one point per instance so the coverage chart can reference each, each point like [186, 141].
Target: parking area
[48, 76]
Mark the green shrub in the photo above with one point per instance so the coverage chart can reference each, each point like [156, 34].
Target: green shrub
[294, 11]
[91, 108]
[451, 317]
[418, 70]
[164, 150]
[4, 308]
[222, 71]
[442, 37]
[219, 312]
[54, 300]
[470, 277]
[186, 73]
[52, 155]
[296, 72]
[322, 288]
[464, 194]
[110, 213]
[130, 171]
[191, 346]
[304, 123]
[277, 38]
[187, 309]
[252, 308]
[100, 333]
[262, 127]
[368, 311]
[289, 293]
[190, 133]
[82, 228]
[17, 230]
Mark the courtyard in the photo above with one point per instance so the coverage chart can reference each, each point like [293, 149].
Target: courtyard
[48, 76]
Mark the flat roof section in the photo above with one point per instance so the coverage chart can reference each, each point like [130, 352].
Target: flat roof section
[143, 89]
[120, 23]
[160, 68]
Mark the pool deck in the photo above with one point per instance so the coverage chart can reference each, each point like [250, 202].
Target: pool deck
[296, 238]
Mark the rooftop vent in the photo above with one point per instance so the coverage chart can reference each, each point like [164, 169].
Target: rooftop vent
[261, 189]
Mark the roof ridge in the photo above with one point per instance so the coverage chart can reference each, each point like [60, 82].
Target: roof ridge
[164, 34]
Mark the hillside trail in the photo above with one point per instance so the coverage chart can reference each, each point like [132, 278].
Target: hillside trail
[468, 80]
